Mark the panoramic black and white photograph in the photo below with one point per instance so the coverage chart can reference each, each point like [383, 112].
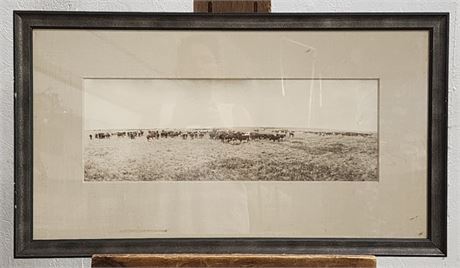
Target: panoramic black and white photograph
[230, 130]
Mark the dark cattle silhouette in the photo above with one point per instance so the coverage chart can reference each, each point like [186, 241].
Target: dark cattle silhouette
[102, 135]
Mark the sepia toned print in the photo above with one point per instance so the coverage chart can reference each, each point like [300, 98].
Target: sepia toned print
[230, 130]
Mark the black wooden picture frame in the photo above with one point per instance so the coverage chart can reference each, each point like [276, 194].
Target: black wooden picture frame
[436, 23]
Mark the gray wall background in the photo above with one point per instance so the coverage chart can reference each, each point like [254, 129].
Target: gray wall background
[6, 105]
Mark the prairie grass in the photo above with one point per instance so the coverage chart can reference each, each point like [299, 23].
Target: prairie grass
[306, 157]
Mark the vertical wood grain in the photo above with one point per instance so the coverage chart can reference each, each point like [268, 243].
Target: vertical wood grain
[232, 6]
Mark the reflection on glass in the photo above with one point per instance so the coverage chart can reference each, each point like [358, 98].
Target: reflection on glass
[230, 129]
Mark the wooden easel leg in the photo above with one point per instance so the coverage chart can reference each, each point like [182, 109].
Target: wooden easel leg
[232, 6]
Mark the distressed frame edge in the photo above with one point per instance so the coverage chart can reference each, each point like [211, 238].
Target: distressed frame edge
[26, 247]
[438, 134]
[23, 134]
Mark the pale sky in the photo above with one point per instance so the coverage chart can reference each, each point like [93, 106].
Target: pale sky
[347, 105]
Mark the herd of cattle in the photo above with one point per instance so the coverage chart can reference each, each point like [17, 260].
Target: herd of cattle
[222, 135]
[225, 136]
[228, 136]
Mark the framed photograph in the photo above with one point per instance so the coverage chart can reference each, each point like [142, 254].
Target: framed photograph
[196, 133]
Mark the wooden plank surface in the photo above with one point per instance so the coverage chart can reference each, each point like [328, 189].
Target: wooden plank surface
[232, 6]
[231, 260]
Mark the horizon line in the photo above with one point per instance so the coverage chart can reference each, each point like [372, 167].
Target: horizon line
[298, 128]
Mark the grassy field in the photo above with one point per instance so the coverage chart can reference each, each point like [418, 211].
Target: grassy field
[305, 157]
